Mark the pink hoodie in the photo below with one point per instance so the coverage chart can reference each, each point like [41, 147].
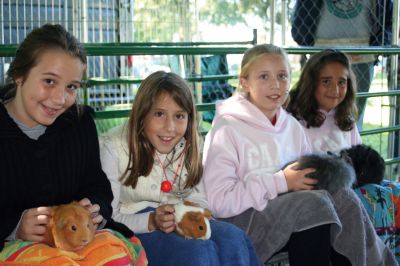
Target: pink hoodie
[243, 155]
[329, 137]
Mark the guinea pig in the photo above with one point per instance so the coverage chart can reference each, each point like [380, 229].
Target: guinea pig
[70, 227]
[192, 221]
[333, 172]
[367, 163]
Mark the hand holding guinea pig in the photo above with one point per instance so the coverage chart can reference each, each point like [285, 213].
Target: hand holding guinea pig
[192, 221]
[162, 219]
[70, 227]
[186, 218]
[33, 223]
[94, 210]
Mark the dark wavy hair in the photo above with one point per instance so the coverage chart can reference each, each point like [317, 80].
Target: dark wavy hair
[303, 104]
[39, 40]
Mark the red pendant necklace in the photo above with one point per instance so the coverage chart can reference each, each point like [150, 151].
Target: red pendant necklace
[166, 185]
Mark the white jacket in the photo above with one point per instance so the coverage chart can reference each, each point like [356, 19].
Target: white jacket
[127, 201]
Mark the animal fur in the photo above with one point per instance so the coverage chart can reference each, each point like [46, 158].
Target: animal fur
[332, 172]
[70, 227]
[192, 221]
[368, 164]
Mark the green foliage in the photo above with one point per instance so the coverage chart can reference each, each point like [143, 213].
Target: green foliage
[222, 12]
[231, 12]
[256, 7]
[161, 20]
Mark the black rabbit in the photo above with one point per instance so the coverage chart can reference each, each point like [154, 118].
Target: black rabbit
[368, 164]
[333, 172]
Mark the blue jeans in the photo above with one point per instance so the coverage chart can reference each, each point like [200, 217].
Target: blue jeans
[364, 73]
[228, 246]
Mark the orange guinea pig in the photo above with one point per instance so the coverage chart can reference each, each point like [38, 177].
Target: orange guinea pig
[192, 221]
[70, 227]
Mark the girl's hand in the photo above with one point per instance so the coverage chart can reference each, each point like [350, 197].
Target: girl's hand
[163, 219]
[94, 209]
[33, 224]
[296, 179]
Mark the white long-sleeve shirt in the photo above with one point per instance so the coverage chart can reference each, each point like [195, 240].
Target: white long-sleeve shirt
[127, 201]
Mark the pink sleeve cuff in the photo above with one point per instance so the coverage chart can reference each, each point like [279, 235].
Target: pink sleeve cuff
[280, 181]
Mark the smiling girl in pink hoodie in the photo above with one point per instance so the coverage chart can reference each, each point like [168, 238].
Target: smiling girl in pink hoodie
[251, 140]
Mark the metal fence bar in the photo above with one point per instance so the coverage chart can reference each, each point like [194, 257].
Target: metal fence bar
[122, 49]
[251, 42]
[211, 106]
[9, 21]
[126, 80]
[2, 21]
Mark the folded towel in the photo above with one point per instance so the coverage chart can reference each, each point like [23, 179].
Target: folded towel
[352, 233]
[107, 248]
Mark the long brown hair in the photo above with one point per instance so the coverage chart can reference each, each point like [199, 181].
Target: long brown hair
[141, 151]
[303, 104]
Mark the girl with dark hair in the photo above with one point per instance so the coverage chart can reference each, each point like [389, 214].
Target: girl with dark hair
[323, 100]
[154, 162]
[50, 155]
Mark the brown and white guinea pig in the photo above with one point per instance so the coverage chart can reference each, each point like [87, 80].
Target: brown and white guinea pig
[70, 227]
[192, 221]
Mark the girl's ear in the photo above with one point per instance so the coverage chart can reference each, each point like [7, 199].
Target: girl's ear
[244, 83]
[19, 81]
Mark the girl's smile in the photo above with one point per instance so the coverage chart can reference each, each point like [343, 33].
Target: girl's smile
[332, 86]
[48, 89]
[50, 111]
[166, 123]
[166, 140]
[267, 83]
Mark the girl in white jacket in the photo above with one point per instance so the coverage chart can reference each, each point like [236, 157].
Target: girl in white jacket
[251, 140]
[153, 163]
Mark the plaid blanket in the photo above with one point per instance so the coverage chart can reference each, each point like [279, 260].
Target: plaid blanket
[108, 248]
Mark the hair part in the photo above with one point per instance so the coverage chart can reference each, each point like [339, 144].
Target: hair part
[252, 54]
[303, 104]
[39, 40]
[141, 151]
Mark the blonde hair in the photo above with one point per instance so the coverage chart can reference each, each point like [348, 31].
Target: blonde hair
[141, 151]
[252, 54]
